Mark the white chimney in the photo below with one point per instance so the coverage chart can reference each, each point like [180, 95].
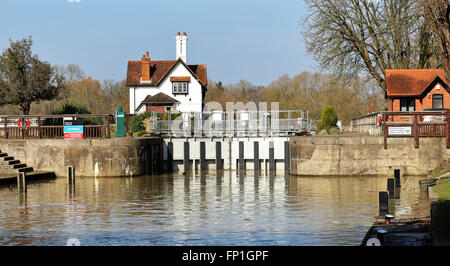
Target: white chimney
[182, 46]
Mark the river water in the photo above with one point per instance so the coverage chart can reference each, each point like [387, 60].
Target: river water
[212, 208]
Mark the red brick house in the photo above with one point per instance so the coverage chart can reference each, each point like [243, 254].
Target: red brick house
[158, 103]
[416, 89]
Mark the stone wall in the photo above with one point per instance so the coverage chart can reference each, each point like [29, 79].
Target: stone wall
[90, 157]
[365, 155]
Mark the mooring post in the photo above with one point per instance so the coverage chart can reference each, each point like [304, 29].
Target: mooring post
[287, 158]
[390, 187]
[271, 156]
[397, 177]
[71, 175]
[219, 165]
[203, 165]
[186, 156]
[170, 156]
[21, 183]
[383, 200]
[241, 156]
[256, 155]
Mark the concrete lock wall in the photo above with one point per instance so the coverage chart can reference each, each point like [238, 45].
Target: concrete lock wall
[365, 155]
[90, 157]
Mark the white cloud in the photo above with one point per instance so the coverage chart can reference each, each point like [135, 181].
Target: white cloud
[74, 1]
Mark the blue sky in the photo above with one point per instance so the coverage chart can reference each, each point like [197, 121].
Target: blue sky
[255, 40]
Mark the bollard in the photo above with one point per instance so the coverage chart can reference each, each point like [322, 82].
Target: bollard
[391, 187]
[388, 218]
[71, 175]
[21, 183]
[383, 200]
[397, 177]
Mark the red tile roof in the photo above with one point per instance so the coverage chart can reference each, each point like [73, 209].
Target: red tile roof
[158, 70]
[412, 82]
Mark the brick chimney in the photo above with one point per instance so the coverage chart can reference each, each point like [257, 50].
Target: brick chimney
[182, 46]
[145, 68]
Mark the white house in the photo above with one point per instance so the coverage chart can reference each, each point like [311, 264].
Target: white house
[161, 86]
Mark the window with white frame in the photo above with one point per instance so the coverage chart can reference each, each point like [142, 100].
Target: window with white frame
[180, 87]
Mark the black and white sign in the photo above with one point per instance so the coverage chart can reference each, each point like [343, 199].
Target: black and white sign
[399, 131]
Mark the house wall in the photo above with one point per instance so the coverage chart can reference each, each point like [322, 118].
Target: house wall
[160, 108]
[425, 102]
[191, 102]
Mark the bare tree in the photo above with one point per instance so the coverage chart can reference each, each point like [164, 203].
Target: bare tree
[355, 37]
[437, 13]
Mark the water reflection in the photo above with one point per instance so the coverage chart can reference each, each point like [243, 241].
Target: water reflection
[208, 208]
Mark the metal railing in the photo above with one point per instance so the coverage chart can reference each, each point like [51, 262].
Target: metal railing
[51, 126]
[237, 123]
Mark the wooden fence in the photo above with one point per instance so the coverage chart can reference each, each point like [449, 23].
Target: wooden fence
[430, 124]
[38, 126]
[416, 125]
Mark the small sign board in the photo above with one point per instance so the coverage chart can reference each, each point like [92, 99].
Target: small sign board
[399, 131]
[73, 122]
[73, 129]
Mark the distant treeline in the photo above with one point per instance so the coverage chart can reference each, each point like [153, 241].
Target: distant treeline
[100, 97]
[306, 91]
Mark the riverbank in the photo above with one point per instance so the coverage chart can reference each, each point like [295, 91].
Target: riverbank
[433, 230]
[440, 210]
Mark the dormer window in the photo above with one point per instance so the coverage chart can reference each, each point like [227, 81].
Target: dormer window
[180, 87]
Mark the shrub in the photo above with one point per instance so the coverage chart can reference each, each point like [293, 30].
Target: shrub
[71, 108]
[328, 118]
[136, 123]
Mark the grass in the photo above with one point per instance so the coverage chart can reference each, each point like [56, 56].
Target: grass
[444, 168]
[442, 188]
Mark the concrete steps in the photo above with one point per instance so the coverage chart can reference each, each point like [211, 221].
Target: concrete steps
[8, 165]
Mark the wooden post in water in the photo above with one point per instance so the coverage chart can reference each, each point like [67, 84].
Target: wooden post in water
[390, 187]
[219, 165]
[170, 156]
[70, 175]
[256, 155]
[397, 177]
[287, 159]
[21, 183]
[203, 165]
[383, 200]
[186, 156]
[271, 156]
[241, 161]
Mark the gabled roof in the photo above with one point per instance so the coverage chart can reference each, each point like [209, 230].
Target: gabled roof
[413, 82]
[159, 70]
[157, 99]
